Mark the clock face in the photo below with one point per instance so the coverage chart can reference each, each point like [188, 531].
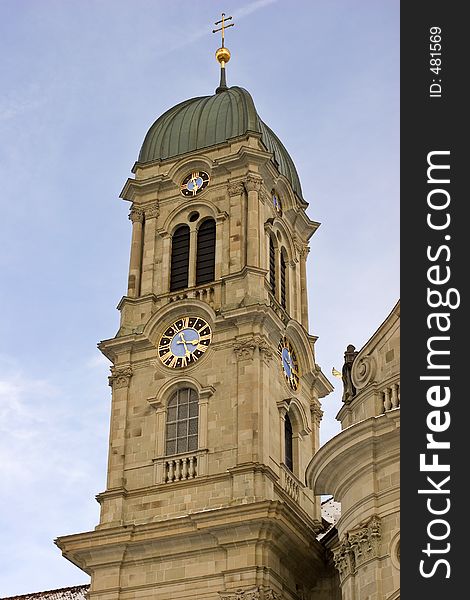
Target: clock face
[184, 342]
[289, 363]
[194, 183]
[277, 203]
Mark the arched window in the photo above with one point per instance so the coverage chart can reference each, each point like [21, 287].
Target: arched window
[205, 257]
[283, 281]
[288, 439]
[180, 259]
[182, 422]
[272, 266]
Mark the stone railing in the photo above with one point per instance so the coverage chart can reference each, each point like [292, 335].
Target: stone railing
[289, 483]
[206, 293]
[179, 468]
[391, 397]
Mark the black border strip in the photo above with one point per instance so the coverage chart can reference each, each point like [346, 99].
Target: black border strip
[433, 121]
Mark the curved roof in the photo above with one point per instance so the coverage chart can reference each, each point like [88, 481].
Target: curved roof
[202, 122]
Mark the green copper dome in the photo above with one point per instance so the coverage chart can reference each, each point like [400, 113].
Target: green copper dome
[202, 122]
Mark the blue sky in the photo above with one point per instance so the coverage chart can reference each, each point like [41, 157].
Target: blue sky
[82, 82]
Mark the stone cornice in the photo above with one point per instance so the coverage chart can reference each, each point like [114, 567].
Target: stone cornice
[207, 529]
[115, 347]
[245, 155]
[135, 188]
[348, 454]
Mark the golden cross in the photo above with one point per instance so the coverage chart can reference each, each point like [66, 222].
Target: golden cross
[223, 27]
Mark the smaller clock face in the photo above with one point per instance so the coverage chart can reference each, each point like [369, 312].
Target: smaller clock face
[289, 363]
[194, 183]
[277, 203]
[184, 342]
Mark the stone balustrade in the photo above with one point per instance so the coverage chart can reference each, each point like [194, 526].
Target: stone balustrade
[290, 484]
[180, 468]
[391, 397]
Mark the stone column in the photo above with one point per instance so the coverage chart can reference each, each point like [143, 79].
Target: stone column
[221, 249]
[119, 382]
[148, 255]
[192, 255]
[247, 400]
[137, 217]
[253, 185]
[166, 262]
[291, 295]
[236, 248]
[303, 286]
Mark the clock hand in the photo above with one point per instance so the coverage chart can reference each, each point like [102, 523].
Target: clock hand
[183, 341]
[192, 342]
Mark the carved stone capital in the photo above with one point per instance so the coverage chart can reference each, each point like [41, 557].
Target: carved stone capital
[136, 215]
[152, 211]
[235, 188]
[301, 248]
[343, 558]
[317, 414]
[264, 348]
[245, 349]
[120, 377]
[254, 593]
[253, 183]
[358, 545]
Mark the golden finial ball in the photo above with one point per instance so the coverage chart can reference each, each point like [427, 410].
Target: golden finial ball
[222, 55]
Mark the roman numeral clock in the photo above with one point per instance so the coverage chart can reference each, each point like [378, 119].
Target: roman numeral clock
[184, 342]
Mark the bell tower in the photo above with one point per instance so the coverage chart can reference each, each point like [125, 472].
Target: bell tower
[215, 389]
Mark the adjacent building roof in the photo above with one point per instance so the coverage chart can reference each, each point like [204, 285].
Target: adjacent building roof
[330, 512]
[209, 120]
[77, 592]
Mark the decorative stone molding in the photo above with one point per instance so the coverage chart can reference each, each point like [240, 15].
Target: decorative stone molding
[245, 348]
[136, 215]
[152, 211]
[255, 593]
[253, 183]
[221, 216]
[357, 546]
[343, 558]
[301, 248]
[317, 414]
[235, 188]
[120, 377]
[264, 196]
[264, 348]
[363, 371]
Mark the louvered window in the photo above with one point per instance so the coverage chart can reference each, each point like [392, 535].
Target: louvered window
[205, 261]
[283, 281]
[288, 454]
[180, 259]
[272, 266]
[182, 422]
